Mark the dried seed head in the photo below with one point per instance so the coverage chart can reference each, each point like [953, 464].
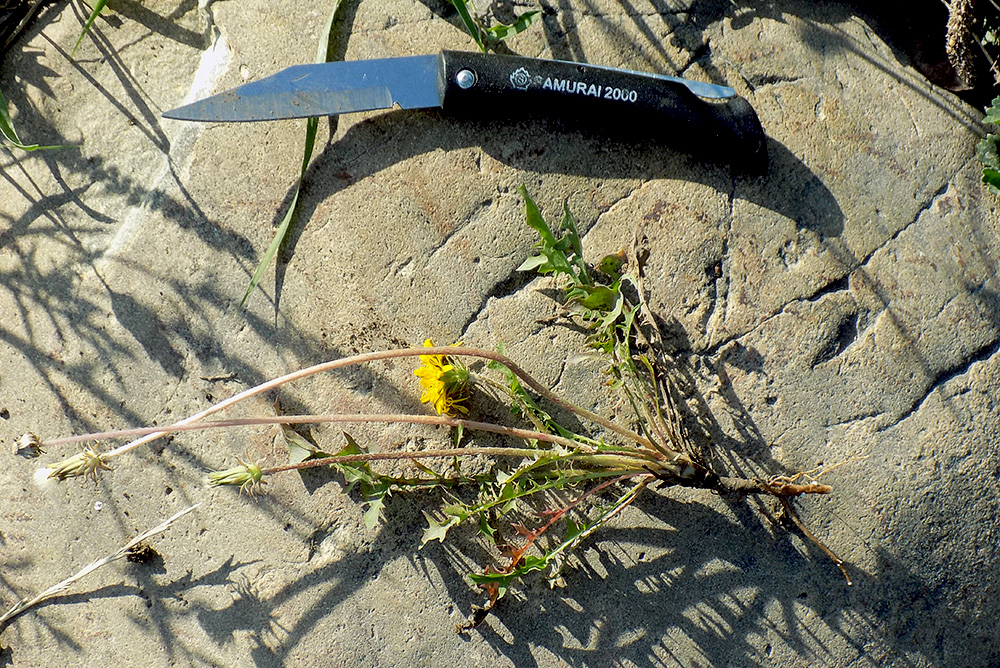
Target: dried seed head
[27, 446]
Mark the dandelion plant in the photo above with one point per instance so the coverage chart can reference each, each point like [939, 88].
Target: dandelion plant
[555, 484]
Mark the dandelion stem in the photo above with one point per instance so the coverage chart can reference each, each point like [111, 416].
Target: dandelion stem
[316, 419]
[433, 454]
[381, 355]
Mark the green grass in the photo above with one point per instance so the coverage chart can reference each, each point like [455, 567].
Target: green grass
[10, 134]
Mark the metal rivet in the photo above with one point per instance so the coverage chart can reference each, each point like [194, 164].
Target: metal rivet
[465, 79]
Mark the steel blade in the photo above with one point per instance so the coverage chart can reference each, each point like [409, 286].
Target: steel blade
[324, 89]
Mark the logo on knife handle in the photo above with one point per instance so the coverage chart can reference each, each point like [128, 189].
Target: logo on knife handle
[520, 79]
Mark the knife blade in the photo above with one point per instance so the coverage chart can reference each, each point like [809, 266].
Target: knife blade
[690, 114]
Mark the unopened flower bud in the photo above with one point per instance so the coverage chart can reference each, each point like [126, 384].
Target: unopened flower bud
[247, 476]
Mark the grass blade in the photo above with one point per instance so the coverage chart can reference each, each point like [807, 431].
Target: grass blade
[59, 588]
[98, 8]
[470, 24]
[323, 54]
[312, 125]
[10, 134]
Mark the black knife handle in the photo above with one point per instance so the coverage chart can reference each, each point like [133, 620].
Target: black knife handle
[612, 102]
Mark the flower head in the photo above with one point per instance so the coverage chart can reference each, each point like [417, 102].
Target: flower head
[86, 463]
[246, 475]
[445, 381]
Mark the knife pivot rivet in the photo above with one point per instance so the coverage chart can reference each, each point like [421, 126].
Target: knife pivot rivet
[465, 79]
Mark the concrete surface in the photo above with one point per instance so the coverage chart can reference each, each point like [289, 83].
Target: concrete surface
[844, 305]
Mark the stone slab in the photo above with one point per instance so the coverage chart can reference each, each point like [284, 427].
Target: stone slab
[844, 307]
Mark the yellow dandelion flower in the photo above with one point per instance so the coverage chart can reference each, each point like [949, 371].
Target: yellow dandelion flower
[445, 382]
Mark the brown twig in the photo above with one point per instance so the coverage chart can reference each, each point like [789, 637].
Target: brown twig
[787, 505]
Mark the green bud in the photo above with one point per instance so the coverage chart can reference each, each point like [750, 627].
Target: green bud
[247, 476]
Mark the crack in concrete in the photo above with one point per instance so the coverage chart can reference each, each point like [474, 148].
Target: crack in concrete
[923, 209]
[871, 415]
[719, 308]
[773, 80]
[611, 207]
[483, 204]
[842, 283]
[724, 264]
[913, 119]
[982, 354]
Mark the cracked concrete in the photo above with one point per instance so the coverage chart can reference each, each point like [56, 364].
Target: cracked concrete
[842, 308]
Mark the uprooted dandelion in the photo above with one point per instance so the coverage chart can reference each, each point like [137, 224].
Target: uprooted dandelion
[603, 471]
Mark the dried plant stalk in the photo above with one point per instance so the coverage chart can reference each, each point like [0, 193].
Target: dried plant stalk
[56, 589]
[959, 41]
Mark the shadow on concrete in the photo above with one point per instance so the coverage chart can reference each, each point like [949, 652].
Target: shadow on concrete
[369, 147]
[623, 610]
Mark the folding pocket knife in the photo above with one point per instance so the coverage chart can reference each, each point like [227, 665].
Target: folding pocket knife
[695, 116]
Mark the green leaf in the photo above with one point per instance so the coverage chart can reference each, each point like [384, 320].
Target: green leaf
[373, 514]
[573, 530]
[988, 152]
[6, 124]
[355, 473]
[569, 225]
[493, 364]
[460, 513]
[563, 255]
[470, 24]
[10, 134]
[558, 262]
[534, 218]
[489, 578]
[501, 32]
[509, 494]
[98, 7]
[299, 448]
[375, 505]
[611, 265]
[993, 112]
[426, 469]
[532, 263]
[487, 529]
[509, 490]
[436, 530]
[991, 178]
[528, 564]
[323, 54]
[600, 298]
